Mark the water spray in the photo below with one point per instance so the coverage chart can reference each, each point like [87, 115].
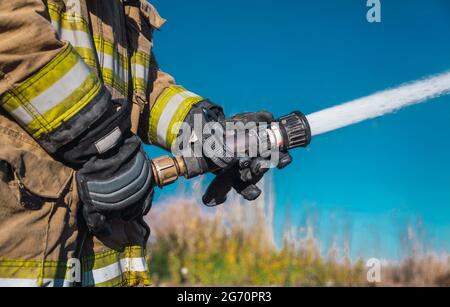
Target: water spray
[296, 130]
[379, 104]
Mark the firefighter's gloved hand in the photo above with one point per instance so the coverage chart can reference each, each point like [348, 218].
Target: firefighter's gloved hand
[116, 186]
[243, 174]
[242, 179]
[114, 175]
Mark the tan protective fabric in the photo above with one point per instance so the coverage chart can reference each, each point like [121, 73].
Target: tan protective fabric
[28, 41]
[39, 206]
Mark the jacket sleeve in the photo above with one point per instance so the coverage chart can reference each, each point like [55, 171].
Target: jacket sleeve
[169, 106]
[44, 84]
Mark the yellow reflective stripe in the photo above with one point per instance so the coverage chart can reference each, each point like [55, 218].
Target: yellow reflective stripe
[135, 251]
[127, 279]
[67, 108]
[141, 58]
[178, 118]
[101, 260]
[118, 281]
[137, 278]
[88, 56]
[67, 21]
[117, 270]
[33, 273]
[72, 27]
[114, 268]
[140, 85]
[140, 62]
[169, 111]
[115, 66]
[33, 86]
[53, 95]
[34, 283]
[158, 109]
[107, 47]
[32, 269]
[114, 81]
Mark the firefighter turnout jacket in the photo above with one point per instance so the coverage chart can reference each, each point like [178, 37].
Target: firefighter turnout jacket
[57, 57]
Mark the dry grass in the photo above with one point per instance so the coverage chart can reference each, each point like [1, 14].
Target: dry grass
[234, 246]
[424, 271]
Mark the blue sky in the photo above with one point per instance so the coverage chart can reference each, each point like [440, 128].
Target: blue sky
[364, 182]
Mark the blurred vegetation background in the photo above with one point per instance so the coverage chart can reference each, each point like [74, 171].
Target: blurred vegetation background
[234, 245]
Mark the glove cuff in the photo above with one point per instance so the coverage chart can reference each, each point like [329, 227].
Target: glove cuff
[108, 132]
[208, 112]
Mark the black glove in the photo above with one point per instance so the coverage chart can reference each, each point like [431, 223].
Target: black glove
[243, 174]
[114, 175]
[118, 186]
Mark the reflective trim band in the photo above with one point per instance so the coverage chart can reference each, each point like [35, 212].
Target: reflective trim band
[127, 267]
[73, 28]
[71, 14]
[88, 55]
[113, 80]
[140, 72]
[77, 39]
[141, 58]
[34, 273]
[114, 73]
[22, 113]
[117, 269]
[112, 268]
[61, 89]
[140, 64]
[169, 111]
[114, 66]
[113, 63]
[53, 95]
[28, 283]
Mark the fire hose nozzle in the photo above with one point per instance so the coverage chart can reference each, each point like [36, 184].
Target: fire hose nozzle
[289, 132]
[295, 130]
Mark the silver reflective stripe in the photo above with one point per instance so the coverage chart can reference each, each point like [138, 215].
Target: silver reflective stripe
[21, 282]
[22, 115]
[113, 63]
[114, 270]
[77, 39]
[169, 112]
[61, 89]
[140, 72]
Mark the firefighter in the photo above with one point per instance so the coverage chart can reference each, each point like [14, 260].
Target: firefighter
[80, 92]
